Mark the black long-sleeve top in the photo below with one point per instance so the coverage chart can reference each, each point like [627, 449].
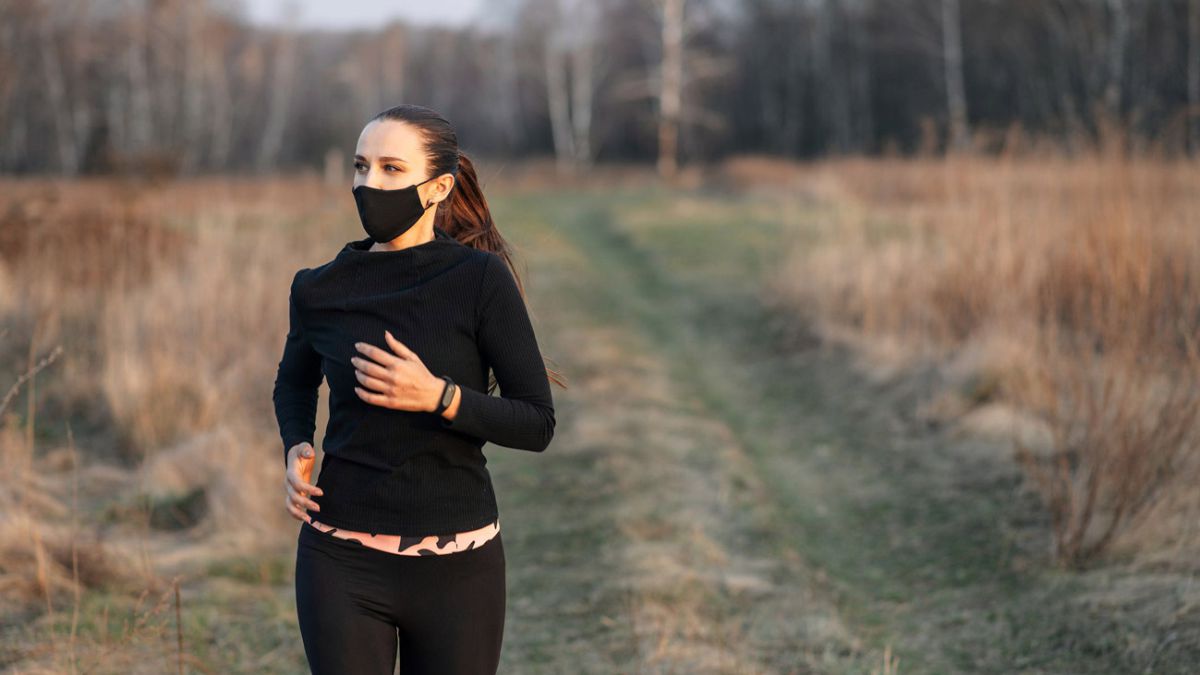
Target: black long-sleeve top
[459, 309]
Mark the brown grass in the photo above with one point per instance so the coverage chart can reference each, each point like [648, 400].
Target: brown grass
[134, 314]
[1075, 282]
[1076, 277]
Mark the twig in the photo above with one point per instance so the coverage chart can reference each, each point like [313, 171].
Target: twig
[12, 391]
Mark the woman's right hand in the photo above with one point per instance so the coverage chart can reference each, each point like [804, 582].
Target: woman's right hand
[298, 481]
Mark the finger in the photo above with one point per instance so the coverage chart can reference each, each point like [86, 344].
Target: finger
[381, 356]
[373, 383]
[297, 484]
[306, 503]
[296, 513]
[369, 367]
[399, 347]
[300, 486]
[370, 397]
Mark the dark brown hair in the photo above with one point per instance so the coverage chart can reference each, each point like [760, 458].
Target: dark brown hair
[464, 215]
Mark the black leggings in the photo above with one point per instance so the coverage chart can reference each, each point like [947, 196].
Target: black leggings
[356, 604]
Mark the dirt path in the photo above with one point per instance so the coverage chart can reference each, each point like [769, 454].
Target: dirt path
[646, 541]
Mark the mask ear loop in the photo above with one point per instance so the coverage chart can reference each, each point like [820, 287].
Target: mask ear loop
[424, 182]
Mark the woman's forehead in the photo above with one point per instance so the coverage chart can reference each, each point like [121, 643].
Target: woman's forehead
[390, 139]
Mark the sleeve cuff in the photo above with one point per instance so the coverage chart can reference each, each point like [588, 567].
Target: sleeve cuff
[291, 443]
[466, 419]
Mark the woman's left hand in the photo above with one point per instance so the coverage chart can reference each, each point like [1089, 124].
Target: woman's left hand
[395, 380]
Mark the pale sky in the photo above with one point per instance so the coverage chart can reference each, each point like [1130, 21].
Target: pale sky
[335, 14]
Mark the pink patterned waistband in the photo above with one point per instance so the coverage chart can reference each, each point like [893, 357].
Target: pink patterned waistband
[399, 544]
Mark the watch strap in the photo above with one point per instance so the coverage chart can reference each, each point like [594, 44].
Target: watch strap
[447, 395]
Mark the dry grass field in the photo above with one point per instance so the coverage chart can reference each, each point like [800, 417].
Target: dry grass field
[1066, 290]
[858, 416]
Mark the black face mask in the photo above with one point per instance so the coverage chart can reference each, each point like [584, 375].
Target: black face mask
[387, 214]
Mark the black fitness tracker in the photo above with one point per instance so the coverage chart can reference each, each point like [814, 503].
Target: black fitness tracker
[447, 395]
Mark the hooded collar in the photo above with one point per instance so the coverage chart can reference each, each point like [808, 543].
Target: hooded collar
[362, 247]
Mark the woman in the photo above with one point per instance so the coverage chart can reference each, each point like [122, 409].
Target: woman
[399, 544]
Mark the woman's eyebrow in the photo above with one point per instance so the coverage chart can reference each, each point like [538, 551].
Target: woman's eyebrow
[384, 159]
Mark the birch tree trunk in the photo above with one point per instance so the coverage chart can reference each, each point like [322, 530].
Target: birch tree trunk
[670, 87]
[557, 98]
[581, 99]
[278, 108]
[569, 47]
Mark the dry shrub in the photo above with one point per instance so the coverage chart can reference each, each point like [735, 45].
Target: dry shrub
[1124, 432]
[1092, 261]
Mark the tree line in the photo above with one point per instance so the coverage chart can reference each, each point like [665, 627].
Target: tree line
[191, 86]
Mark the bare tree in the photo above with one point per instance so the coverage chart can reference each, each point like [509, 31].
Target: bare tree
[556, 94]
[582, 89]
[70, 115]
[506, 91]
[139, 116]
[220, 112]
[88, 83]
[933, 30]
[15, 44]
[841, 72]
[831, 110]
[670, 95]
[391, 66]
[775, 66]
[278, 107]
[1118, 41]
[956, 91]
[194, 15]
[570, 80]
[1193, 74]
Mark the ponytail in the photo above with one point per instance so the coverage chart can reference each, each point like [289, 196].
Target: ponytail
[465, 216]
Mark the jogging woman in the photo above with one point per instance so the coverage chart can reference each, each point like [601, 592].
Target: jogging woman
[399, 547]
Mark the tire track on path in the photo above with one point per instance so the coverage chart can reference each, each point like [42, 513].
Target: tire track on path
[701, 581]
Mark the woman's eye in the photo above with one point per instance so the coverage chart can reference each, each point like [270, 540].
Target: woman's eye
[361, 166]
